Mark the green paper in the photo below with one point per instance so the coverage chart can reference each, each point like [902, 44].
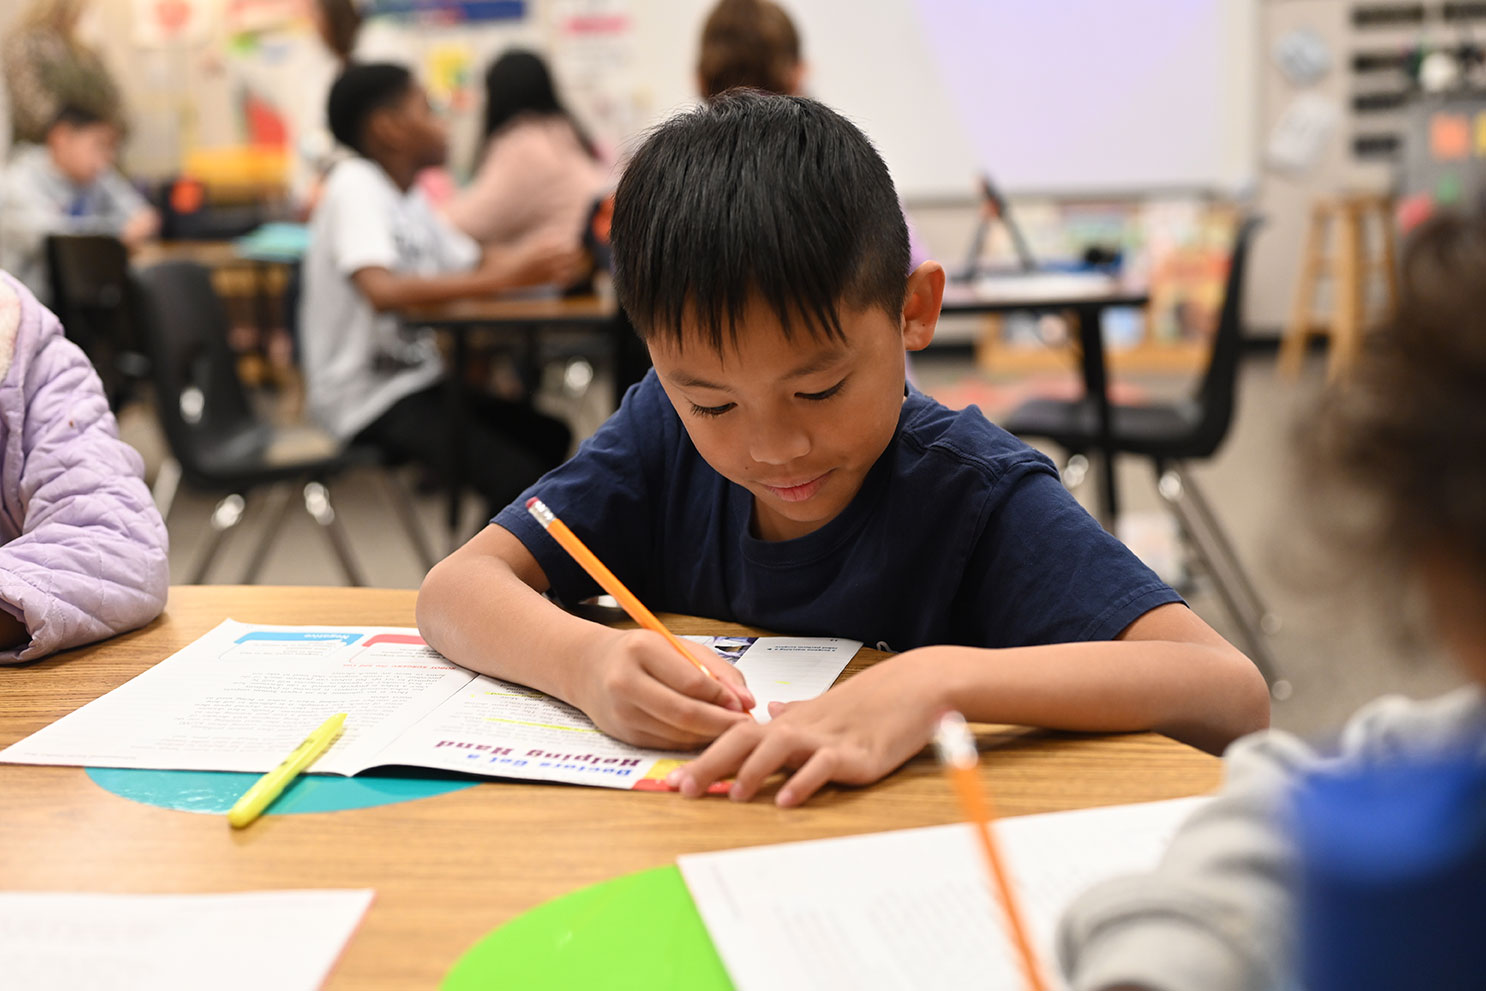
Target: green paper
[639, 932]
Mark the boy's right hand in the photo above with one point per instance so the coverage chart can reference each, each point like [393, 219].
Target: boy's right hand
[554, 261]
[636, 688]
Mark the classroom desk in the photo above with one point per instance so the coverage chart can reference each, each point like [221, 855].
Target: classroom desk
[209, 254]
[526, 315]
[221, 256]
[448, 869]
[1087, 300]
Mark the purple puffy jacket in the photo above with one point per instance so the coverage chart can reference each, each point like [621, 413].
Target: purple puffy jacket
[82, 547]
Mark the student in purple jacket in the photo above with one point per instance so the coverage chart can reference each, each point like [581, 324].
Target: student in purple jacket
[82, 546]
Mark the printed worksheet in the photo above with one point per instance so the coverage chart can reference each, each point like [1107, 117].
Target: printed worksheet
[248, 941]
[242, 697]
[912, 908]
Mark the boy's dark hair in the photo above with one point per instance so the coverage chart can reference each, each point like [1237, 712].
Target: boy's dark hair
[756, 196]
[1408, 429]
[72, 115]
[359, 92]
[748, 43]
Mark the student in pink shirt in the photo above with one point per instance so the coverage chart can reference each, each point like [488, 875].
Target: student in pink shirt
[539, 173]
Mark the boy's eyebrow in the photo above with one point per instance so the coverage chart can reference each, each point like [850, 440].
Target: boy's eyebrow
[822, 360]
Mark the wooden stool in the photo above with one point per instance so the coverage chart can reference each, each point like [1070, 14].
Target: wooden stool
[1349, 268]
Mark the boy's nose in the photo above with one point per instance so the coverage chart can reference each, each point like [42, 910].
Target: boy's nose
[777, 442]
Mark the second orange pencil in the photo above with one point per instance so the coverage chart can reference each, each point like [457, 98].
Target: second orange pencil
[957, 753]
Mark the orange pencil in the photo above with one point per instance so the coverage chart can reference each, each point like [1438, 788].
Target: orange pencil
[607, 579]
[956, 749]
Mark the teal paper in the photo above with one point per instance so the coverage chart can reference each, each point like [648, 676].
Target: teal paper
[214, 792]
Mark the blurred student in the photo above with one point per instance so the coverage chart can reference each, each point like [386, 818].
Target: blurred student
[377, 245]
[1407, 437]
[755, 44]
[750, 43]
[68, 185]
[47, 66]
[82, 547]
[539, 173]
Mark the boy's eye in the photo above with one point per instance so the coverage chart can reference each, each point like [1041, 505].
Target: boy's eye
[711, 410]
[827, 394]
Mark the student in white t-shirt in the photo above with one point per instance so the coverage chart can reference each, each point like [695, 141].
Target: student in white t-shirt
[377, 245]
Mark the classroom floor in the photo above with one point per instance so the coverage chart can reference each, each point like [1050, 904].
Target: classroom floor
[1332, 647]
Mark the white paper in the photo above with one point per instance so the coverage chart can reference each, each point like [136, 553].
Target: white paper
[912, 908]
[285, 940]
[242, 697]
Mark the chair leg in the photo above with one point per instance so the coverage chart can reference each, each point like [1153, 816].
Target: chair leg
[280, 500]
[317, 504]
[402, 504]
[224, 518]
[1258, 609]
[1176, 496]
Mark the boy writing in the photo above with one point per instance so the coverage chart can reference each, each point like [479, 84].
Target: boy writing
[67, 186]
[774, 469]
[376, 245]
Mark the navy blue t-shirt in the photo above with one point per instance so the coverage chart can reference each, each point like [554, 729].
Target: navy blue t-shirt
[961, 534]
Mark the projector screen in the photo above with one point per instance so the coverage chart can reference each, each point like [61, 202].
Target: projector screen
[1100, 94]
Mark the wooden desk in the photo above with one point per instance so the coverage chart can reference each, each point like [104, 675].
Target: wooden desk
[209, 254]
[260, 281]
[526, 315]
[1087, 302]
[450, 868]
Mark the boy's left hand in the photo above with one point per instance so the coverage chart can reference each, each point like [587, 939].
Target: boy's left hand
[854, 734]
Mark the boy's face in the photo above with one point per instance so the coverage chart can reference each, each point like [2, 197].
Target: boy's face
[799, 423]
[419, 130]
[84, 152]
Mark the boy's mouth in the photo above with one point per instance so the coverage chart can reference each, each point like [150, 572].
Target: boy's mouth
[800, 491]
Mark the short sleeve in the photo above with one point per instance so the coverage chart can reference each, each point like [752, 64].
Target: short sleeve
[360, 227]
[459, 251]
[609, 494]
[1044, 570]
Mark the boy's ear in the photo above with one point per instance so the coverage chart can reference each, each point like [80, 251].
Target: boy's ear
[921, 305]
[381, 127]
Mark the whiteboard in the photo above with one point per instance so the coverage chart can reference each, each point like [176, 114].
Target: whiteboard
[1056, 96]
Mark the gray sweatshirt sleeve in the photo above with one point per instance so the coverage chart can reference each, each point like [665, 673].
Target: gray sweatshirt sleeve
[1218, 913]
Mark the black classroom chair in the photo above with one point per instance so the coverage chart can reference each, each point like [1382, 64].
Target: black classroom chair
[1171, 434]
[220, 445]
[90, 287]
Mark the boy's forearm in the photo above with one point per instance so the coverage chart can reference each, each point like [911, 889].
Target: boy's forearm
[388, 291]
[480, 615]
[1203, 695]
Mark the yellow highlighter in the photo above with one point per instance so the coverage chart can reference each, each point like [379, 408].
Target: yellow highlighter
[267, 788]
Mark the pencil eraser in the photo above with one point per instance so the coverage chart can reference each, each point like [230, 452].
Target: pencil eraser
[531, 502]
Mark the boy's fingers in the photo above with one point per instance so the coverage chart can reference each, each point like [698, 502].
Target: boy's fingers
[675, 671]
[718, 761]
[729, 675]
[774, 751]
[807, 780]
[777, 709]
[699, 721]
